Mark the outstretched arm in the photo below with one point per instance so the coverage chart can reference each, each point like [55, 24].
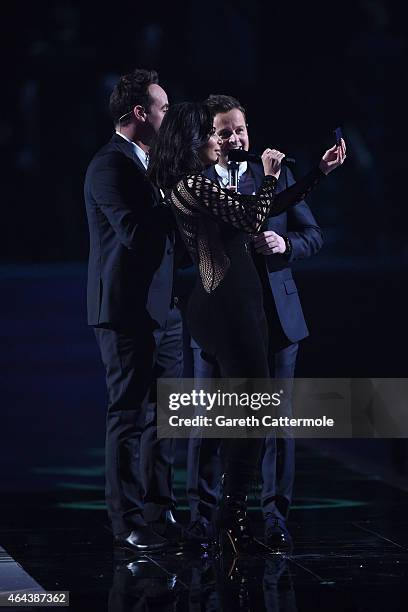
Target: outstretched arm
[297, 192]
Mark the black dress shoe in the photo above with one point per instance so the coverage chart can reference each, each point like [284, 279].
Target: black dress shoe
[141, 540]
[235, 537]
[167, 527]
[277, 535]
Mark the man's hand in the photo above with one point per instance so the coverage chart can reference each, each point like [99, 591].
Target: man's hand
[269, 243]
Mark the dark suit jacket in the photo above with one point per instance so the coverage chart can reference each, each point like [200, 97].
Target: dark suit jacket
[299, 224]
[130, 272]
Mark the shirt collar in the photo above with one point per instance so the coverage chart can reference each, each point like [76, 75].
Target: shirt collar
[143, 157]
[222, 172]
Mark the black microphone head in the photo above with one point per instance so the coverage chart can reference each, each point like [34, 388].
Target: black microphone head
[238, 155]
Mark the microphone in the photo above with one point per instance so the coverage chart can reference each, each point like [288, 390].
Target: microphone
[233, 168]
[239, 155]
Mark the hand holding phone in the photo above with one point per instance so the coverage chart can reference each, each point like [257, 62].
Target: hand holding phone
[338, 134]
[335, 156]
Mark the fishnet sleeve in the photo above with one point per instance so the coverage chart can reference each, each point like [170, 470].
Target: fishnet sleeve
[246, 212]
[296, 192]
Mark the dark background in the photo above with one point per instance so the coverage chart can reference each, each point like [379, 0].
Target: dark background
[300, 69]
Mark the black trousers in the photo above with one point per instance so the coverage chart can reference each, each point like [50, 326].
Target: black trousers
[139, 467]
[278, 462]
[204, 465]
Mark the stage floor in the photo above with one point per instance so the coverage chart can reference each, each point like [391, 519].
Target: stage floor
[350, 533]
[350, 527]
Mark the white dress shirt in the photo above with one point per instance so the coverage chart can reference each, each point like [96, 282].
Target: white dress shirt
[222, 173]
[142, 156]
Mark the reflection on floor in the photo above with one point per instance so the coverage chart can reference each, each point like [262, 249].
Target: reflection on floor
[351, 549]
[350, 530]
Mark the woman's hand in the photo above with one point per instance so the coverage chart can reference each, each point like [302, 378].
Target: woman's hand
[333, 158]
[271, 159]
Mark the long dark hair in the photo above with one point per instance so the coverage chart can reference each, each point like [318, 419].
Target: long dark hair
[185, 129]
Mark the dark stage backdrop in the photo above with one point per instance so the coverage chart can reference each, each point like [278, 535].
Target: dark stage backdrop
[300, 69]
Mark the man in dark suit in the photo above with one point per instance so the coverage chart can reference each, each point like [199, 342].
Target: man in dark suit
[285, 238]
[134, 314]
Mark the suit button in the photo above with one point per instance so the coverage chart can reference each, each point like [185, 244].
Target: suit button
[170, 251]
[175, 300]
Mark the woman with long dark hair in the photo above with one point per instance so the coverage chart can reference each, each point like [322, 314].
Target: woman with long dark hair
[225, 312]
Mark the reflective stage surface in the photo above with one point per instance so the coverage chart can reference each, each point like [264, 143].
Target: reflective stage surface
[350, 527]
[351, 550]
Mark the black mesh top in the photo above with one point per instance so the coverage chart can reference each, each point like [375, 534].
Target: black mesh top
[201, 207]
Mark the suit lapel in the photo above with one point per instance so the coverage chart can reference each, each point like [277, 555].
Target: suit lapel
[257, 171]
[210, 173]
[258, 174]
[127, 149]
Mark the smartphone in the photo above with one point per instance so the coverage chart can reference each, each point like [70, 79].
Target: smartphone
[338, 134]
